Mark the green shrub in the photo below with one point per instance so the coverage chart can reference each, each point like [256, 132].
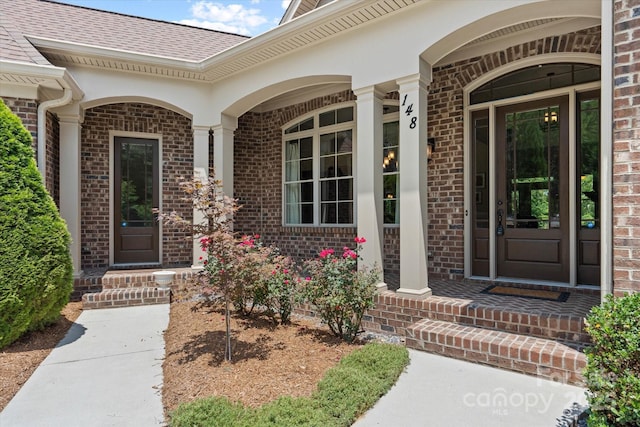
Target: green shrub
[613, 362]
[339, 290]
[346, 392]
[35, 264]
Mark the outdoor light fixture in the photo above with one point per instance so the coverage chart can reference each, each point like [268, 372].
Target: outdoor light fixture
[431, 147]
[553, 117]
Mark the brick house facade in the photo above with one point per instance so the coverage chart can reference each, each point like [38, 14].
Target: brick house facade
[626, 146]
[230, 113]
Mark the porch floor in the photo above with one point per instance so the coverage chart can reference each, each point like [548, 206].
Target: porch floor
[578, 304]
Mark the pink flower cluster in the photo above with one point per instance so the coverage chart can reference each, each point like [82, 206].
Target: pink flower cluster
[348, 253]
[326, 252]
[249, 241]
[204, 243]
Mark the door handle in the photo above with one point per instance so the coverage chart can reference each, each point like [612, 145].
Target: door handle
[500, 228]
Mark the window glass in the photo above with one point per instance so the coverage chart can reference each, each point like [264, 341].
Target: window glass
[390, 171]
[535, 79]
[589, 162]
[318, 178]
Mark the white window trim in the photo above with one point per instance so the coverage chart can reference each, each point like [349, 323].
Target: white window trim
[315, 134]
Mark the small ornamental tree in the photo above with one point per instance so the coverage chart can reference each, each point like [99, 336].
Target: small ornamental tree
[339, 290]
[219, 277]
[35, 264]
[613, 362]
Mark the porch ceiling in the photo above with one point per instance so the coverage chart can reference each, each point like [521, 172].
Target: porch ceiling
[306, 30]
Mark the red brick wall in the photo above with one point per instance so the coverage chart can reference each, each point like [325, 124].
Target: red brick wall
[53, 157]
[27, 111]
[446, 186]
[258, 158]
[177, 152]
[626, 146]
[258, 181]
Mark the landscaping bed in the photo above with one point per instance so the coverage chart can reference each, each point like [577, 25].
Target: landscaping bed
[20, 359]
[268, 360]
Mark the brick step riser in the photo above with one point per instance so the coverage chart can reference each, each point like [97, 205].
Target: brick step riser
[136, 282]
[533, 356]
[110, 298]
[541, 326]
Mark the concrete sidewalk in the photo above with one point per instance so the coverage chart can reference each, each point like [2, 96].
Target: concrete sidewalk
[439, 391]
[107, 371]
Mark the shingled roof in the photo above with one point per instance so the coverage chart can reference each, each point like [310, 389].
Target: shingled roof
[51, 20]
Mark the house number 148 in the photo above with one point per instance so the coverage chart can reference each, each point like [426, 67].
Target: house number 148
[409, 111]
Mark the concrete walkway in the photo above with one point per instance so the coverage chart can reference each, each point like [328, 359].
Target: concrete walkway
[438, 391]
[107, 371]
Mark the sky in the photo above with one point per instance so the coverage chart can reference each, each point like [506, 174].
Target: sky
[246, 17]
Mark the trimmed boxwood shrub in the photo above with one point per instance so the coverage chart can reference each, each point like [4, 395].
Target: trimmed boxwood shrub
[35, 264]
[613, 362]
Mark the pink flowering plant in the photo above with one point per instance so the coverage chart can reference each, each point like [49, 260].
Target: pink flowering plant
[281, 287]
[339, 290]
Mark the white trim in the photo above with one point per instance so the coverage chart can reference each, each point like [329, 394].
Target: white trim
[113, 134]
[493, 245]
[315, 133]
[606, 151]
[569, 91]
[573, 199]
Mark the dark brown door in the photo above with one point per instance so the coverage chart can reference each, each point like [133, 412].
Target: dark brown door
[532, 209]
[136, 193]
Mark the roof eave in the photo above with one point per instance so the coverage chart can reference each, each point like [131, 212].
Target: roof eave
[47, 73]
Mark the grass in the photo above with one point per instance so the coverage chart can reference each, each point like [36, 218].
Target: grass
[346, 392]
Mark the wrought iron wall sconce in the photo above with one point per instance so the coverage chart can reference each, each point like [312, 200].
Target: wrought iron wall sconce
[431, 148]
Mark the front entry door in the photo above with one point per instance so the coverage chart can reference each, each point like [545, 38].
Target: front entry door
[136, 193]
[532, 190]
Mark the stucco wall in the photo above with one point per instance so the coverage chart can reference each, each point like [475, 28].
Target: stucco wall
[177, 158]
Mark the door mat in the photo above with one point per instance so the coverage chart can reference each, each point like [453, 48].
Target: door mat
[527, 293]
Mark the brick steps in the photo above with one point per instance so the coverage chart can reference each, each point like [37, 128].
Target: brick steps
[122, 288]
[109, 298]
[542, 325]
[526, 354]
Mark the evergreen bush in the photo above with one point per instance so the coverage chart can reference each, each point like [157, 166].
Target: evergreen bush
[35, 264]
[613, 362]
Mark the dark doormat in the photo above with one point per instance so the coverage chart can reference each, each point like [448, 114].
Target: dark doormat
[527, 293]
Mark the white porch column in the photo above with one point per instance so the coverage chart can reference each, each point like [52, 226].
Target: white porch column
[223, 152]
[369, 188]
[200, 171]
[70, 183]
[413, 186]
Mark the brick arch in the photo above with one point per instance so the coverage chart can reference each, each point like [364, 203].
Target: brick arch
[177, 153]
[446, 124]
[586, 41]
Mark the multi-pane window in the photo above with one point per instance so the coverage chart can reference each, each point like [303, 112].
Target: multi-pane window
[391, 172]
[391, 165]
[318, 177]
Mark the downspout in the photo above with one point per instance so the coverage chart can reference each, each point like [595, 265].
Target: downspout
[42, 128]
